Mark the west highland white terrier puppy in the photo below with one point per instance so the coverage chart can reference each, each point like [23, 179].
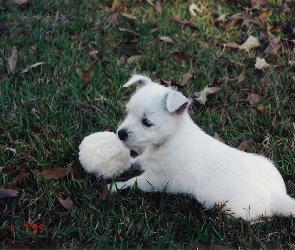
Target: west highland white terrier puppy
[178, 157]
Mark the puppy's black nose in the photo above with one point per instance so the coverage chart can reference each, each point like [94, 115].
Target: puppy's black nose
[123, 134]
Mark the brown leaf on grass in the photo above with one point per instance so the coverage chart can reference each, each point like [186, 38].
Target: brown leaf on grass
[202, 96]
[67, 203]
[247, 20]
[218, 138]
[176, 18]
[12, 60]
[217, 82]
[194, 9]
[129, 16]
[185, 77]
[158, 7]
[8, 193]
[113, 19]
[133, 59]
[86, 76]
[30, 67]
[251, 43]
[242, 76]
[106, 192]
[95, 55]
[122, 60]
[113, 45]
[21, 3]
[288, 177]
[274, 46]
[16, 245]
[264, 15]
[260, 109]
[276, 28]
[286, 8]
[221, 21]
[55, 173]
[244, 145]
[253, 98]
[261, 63]
[116, 4]
[19, 179]
[179, 56]
[259, 4]
[166, 39]
[231, 45]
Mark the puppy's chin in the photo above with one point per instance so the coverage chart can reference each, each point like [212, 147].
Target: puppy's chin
[137, 149]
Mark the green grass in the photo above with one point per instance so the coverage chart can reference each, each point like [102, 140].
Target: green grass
[45, 114]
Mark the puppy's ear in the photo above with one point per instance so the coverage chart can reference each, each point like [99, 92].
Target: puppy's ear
[142, 80]
[176, 103]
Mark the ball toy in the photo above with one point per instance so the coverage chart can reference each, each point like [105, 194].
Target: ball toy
[103, 153]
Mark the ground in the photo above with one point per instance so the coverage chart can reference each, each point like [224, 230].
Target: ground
[62, 67]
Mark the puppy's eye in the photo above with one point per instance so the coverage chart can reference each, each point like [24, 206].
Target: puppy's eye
[146, 122]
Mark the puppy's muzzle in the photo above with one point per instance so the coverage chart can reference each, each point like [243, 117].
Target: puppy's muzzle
[123, 134]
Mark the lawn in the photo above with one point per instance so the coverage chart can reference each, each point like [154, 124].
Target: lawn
[62, 67]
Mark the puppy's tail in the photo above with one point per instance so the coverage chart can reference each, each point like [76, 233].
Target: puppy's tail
[140, 79]
[284, 205]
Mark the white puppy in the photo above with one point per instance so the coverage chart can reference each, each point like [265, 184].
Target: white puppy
[178, 157]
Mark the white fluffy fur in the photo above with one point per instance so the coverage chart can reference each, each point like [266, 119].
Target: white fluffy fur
[177, 156]
[102, 153]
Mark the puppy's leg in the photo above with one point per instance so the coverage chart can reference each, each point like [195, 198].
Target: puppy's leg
[141, 181]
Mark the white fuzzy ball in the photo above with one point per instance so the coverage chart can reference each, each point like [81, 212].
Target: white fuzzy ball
[103, 153]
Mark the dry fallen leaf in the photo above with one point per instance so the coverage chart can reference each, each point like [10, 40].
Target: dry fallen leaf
[251, 43]
[166, 39]
[247, 20]
[94, 55]
[158, 7]
[19, 179]
[244, 145]
[258, 4]
[32, 66]
[18, 2]
[55, 173]
[260, 109]
[106, 192]
[122, 60]
[16, 245]
[133, 59]
[221, 21]
[86, 76]
[116, 4]
[231, 45]
[67, 203]
[113, 19]
[12, 60]
[264, 15]
[218, 138]
[179, 56]
[261, 63]
[129, 16]
[193, 9]
[7, 193]
[185, 78]
[286, 8]
[202, 96]
[242, 76]
[253, 98]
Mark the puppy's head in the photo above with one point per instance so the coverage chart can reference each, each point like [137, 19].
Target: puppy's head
[153, 114]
